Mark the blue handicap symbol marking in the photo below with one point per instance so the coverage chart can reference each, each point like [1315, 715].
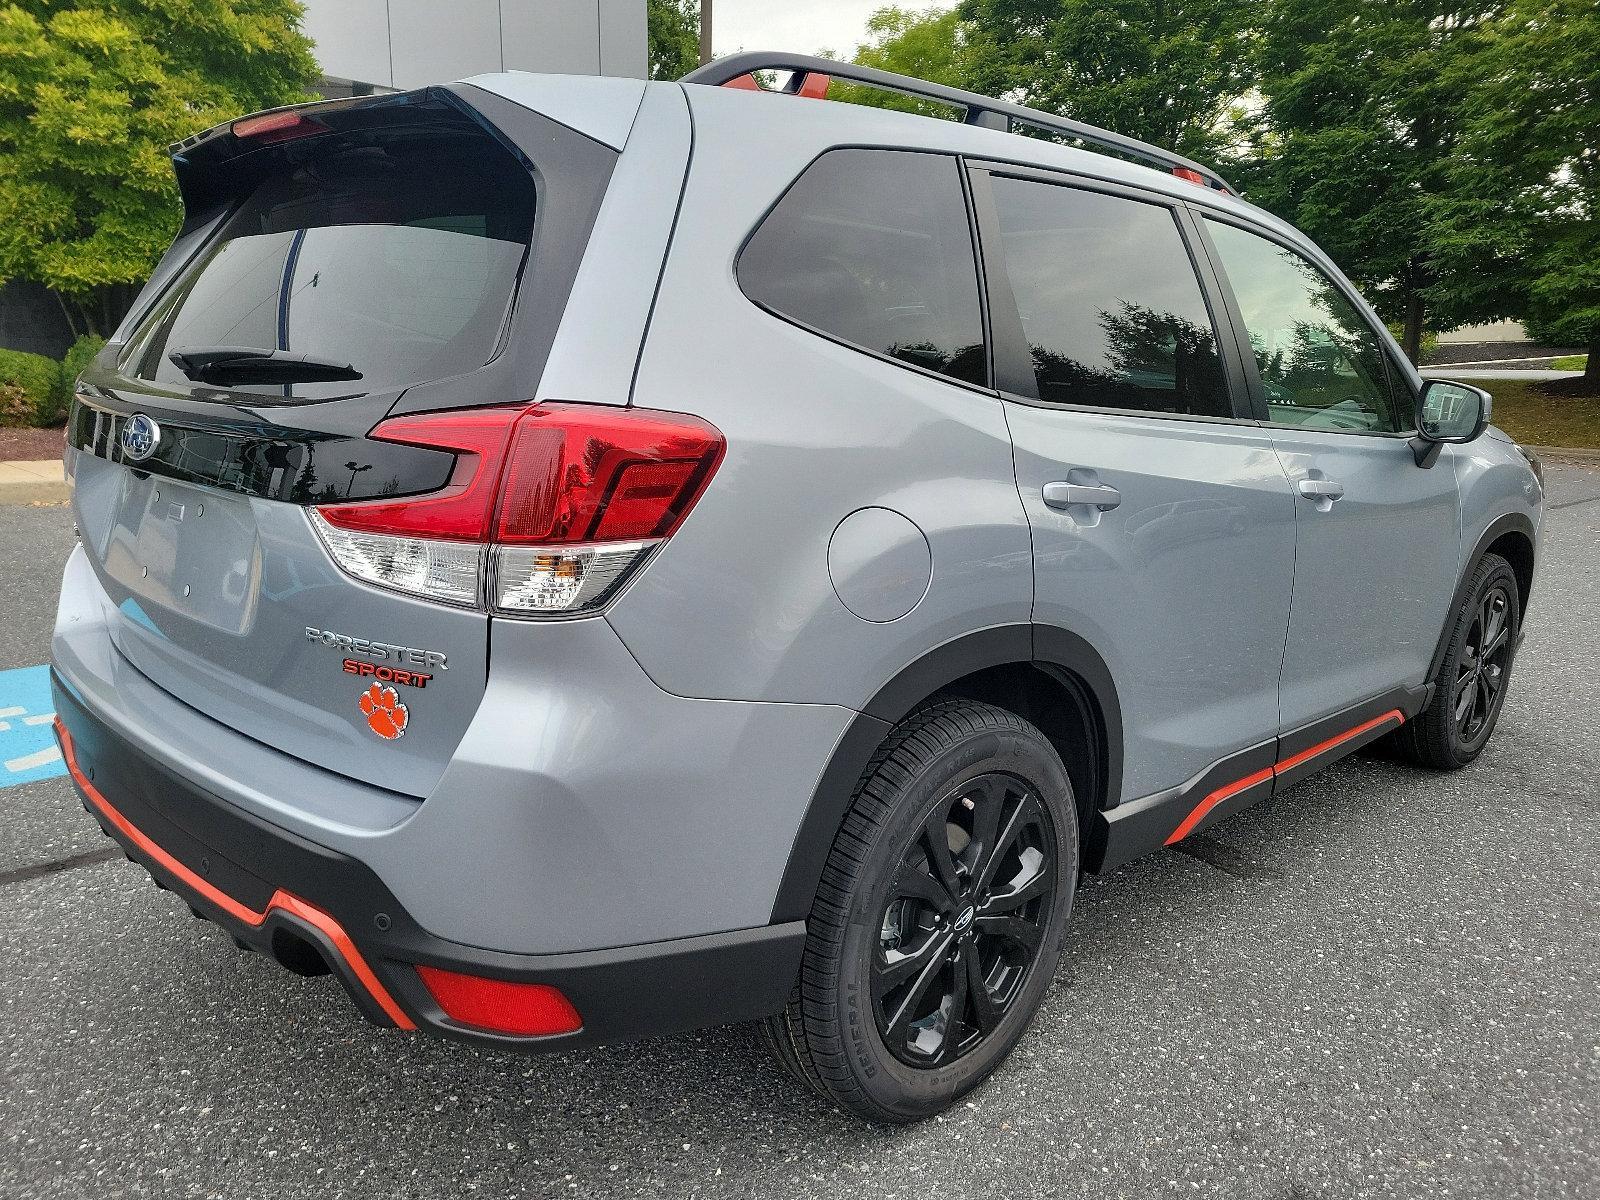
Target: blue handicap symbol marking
[28, 749]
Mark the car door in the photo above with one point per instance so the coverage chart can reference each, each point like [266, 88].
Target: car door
[1163, 525]
[1377, 537]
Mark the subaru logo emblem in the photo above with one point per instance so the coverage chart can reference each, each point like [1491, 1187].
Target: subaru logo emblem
[140, 437]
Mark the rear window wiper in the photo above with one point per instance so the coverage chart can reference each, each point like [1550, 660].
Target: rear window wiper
[223, 365]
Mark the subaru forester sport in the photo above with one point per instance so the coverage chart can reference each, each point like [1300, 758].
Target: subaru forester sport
[581, 558]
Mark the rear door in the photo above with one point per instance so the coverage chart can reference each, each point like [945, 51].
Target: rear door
[394, 255]
[1163, 525]
[1378, 539]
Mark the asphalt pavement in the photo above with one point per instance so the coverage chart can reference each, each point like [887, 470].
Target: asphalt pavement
[1382, 983]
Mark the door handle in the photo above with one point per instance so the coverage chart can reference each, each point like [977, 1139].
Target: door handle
[1321, 489]
[1100, 495]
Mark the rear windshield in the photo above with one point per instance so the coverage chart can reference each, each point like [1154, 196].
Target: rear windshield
[399, 256]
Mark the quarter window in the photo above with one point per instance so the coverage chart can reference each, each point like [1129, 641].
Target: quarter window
[1111, 308]
[1321, 364]
[873, 247]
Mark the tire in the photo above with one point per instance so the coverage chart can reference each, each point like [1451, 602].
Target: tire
[889, 1022]
[1440, 737]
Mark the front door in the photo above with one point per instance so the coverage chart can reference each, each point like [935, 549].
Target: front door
[1378, 542]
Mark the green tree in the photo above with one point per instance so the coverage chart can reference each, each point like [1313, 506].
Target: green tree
[1362, 123]
[1517, 234]
[91, 94]
[932, 45]
[1169, 72]
[674, 38]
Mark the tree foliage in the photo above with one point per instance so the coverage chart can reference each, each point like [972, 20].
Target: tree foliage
[1362, 122]
[91, 94]
[1165, 71]
[674, 38]
[925, 45]
[1517, 232]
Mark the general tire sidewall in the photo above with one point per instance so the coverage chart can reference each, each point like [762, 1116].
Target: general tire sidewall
[890, 1082]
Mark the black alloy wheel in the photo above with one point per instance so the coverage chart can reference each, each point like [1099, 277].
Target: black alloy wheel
[939, 917]
[965, 922]
[1484, 664]
[1469, 687]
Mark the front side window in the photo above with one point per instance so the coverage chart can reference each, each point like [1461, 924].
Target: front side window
[1321, 364]
[873, 247]
[1110, 304]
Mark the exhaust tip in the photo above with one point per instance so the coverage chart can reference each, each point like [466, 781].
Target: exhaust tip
[298, 954]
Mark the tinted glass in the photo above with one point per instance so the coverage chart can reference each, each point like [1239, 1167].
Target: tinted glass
[398, 257]
[1110, 304]
[874, 248]
[1321, 363]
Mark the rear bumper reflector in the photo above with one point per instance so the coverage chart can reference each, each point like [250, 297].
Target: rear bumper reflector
[501, 1005]
[332, 933]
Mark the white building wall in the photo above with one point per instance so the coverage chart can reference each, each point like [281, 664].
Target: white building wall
[412, 43]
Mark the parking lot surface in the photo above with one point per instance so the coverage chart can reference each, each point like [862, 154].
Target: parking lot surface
[1382, 983]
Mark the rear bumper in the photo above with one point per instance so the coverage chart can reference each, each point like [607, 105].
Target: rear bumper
[286, 897]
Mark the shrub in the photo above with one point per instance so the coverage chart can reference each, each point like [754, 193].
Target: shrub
[82, 353]
[39, 380]
[15, 407]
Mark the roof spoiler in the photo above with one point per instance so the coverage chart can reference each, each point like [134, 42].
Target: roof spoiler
[215, 164]
[811, 75]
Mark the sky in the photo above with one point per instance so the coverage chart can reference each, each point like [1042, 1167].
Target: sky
[803, 26]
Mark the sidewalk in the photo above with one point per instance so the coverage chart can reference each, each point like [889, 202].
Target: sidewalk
[33, 483]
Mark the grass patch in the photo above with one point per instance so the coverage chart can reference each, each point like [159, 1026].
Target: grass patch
[1543, 414]
[1571, 362]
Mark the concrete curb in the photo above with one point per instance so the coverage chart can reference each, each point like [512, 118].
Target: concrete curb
[1574, 453]
[33, 483]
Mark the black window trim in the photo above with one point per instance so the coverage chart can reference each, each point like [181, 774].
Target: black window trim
[1013, 369]
[1241, 335]
[984, 389]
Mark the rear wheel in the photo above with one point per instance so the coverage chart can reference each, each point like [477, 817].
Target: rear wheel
[940, 915]
[1470, 688]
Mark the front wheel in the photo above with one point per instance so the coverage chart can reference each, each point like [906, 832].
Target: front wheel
[940, 915]
[1470, 688]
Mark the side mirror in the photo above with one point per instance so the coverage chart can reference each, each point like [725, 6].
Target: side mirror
[1448, 413]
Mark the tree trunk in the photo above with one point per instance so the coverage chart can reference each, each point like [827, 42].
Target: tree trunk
[1591, 369]
[1411, 341]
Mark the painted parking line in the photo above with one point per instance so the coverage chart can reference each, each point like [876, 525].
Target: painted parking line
[28, 749]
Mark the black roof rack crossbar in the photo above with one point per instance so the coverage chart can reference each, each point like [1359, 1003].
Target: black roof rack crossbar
[980, 110]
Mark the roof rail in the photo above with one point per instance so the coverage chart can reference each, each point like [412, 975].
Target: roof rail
[738, 70]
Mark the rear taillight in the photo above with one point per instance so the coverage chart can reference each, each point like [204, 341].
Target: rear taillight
[549, 510]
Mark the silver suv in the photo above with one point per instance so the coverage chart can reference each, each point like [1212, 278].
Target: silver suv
[581, 559]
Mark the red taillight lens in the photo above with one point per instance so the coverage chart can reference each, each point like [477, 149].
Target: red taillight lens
[270, 128]
[570, 498]
[581, 473]
[462, 510]
[576, 473]
[1191, 175]
[519, 1009]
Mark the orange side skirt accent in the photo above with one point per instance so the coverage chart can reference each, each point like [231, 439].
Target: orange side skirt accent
[1272, 772]
[281, 900]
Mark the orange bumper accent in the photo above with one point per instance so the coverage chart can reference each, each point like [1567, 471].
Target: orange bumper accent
[281, 900]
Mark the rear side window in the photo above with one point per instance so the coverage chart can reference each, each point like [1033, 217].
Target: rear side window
[873, 247]
[1110, 304]
[398, 256]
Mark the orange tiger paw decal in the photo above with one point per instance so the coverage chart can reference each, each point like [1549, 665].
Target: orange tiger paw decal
[384, 712]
